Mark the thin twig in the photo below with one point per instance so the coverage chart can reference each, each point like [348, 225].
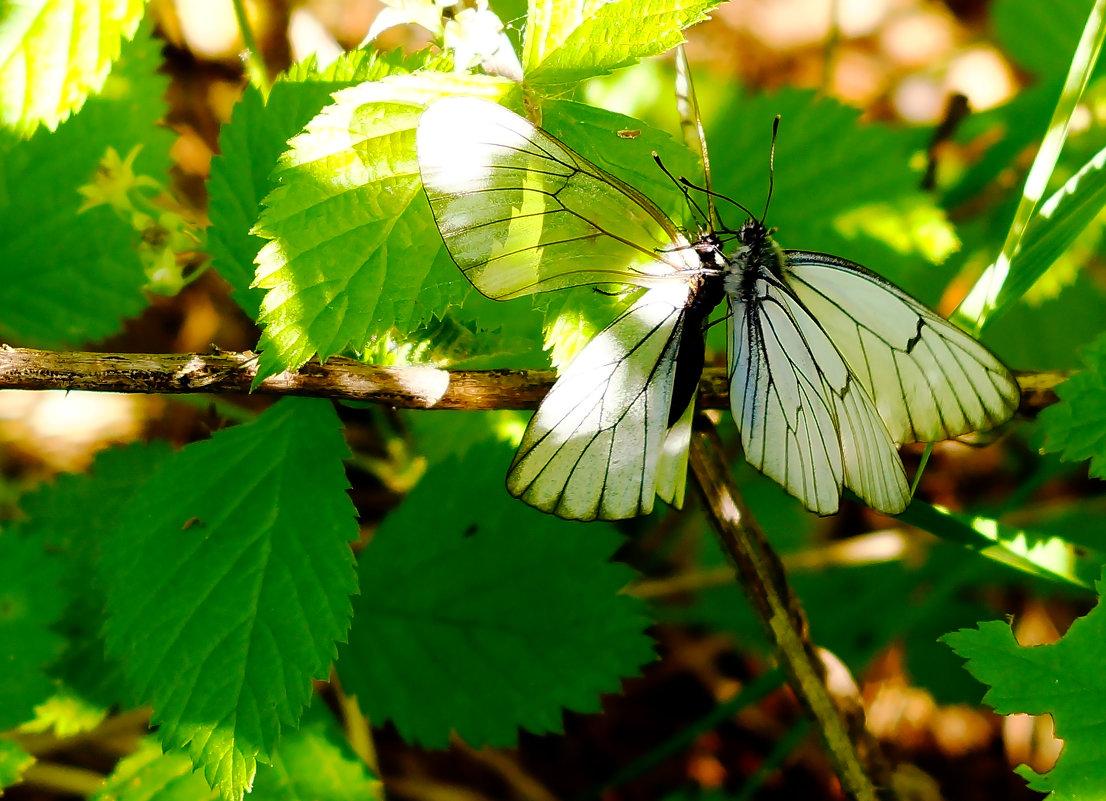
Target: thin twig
[508, 769]
[255, 63]
[343, 379]
[816, 678]
[865, 549]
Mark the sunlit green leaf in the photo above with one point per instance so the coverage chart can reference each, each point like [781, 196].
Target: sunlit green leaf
[1063, 679]
[567, 42]
[42, 82]
[69, 278]
[353, 250]
[249, 146]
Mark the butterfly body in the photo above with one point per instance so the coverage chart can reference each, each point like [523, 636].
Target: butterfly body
[831, 366]
[706, 291]
[757, 255]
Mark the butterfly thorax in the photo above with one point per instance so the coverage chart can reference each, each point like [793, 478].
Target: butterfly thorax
[706, 290]
[757, 255]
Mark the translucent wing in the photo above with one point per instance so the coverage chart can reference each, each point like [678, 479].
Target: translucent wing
[804, 419]
[929, 380]
[600, 445]
[520, 212]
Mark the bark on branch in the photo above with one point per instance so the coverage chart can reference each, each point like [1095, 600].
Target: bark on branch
[345, 379]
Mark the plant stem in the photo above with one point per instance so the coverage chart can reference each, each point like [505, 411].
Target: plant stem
[854, 753]
[255, 64]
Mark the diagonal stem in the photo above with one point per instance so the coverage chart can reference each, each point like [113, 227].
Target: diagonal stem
[837, 713]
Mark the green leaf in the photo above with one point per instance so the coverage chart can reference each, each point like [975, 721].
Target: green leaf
[1063, 680]
[249, 146]
[439, 437]
[483, 618]
[567, 42]
[31, 601]
[42, 82]
[312, 763]
[354, 251]
[1073, 319]
[1076, 427]
[66, 714]
[232, 566]
[315, 763]
[14, 762]
[150, 775]
[74, 518]
[68, 278]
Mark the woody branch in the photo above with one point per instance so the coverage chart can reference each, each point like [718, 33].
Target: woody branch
[343, 379]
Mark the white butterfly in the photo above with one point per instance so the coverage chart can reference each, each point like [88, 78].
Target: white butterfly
[830, 365]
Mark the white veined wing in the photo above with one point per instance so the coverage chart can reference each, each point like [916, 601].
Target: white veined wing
[929, 380]
[805, 420]
[601, 445]
[521, 213]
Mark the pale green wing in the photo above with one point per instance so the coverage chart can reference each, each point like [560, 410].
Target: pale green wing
[520, 212]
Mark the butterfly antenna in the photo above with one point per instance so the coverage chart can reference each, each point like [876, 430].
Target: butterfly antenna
[771, 168]
[719, 195]
[683, 186]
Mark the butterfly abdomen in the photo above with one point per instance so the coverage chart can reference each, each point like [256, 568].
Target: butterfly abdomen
[706, 292]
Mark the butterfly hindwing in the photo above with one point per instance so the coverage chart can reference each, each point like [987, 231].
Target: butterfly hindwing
[928, 379]
[600, 446]
[804, 419]
[521, 213]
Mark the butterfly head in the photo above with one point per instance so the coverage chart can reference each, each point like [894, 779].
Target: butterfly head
[757, 254]
[753, 233]
[709, 249]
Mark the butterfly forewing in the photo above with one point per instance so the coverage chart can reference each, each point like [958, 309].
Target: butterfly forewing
[599, 446]
[520, 212]
[929, 380]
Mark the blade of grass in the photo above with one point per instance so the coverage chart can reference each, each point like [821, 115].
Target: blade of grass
[750, 694]
[788, 743]
[1061, 219]
[983, 299]
[1038, 555]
